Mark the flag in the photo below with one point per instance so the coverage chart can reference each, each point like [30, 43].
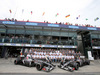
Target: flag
[10, 11]
[78, 17]
[67, 16]
[57, 14]
[96, 19]
[31, 12]
[43, 13]
[86, 19]
[22, 10]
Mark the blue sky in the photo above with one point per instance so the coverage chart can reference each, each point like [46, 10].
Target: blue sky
[85, 8]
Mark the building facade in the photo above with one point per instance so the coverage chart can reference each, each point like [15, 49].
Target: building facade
[17, 35]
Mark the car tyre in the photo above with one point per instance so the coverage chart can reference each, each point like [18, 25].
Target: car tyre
[15, 62]
[77, 67]
[39, 67]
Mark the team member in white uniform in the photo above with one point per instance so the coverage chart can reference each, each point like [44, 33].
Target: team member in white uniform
[37, 56]
[43, 56]
[35, 52]
[51, 58]
[28, 55]
[45, 53]
[68, 57]
[72, 57]
[40, 56]
[46, 56]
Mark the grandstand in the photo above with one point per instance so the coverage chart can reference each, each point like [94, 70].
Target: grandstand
[16, 36]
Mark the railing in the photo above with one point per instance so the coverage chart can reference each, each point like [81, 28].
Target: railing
[97, 43]
[34, 41]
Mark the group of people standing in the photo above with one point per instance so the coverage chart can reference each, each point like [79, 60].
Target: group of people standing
[54, 55]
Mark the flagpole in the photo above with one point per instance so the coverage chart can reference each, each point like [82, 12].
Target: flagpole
[43, 16]
[10, 14]
[22, 14]
[22, 17]
[56, 19]
[15, 12]
[30, 16]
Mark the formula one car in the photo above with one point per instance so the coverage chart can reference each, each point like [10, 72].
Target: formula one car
[44, 65]
[24, 61]
[69, 65]
[82, 61]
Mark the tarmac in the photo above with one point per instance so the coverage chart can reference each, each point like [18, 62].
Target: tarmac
[8, 66]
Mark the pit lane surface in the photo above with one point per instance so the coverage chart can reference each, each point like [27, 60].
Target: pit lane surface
[7, 67]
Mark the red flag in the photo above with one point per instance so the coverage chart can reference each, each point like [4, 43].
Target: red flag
[57, 14]
[10, 11]
[67, 16]
[31, 12]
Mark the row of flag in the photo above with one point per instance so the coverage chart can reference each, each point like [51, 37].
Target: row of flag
[58, 14]
[22, 11]
[42, 14]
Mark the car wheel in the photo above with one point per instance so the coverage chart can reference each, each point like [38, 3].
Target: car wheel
[15, 62]
[39, 67]
[88, 63]
[77, 67]
[33, 64]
